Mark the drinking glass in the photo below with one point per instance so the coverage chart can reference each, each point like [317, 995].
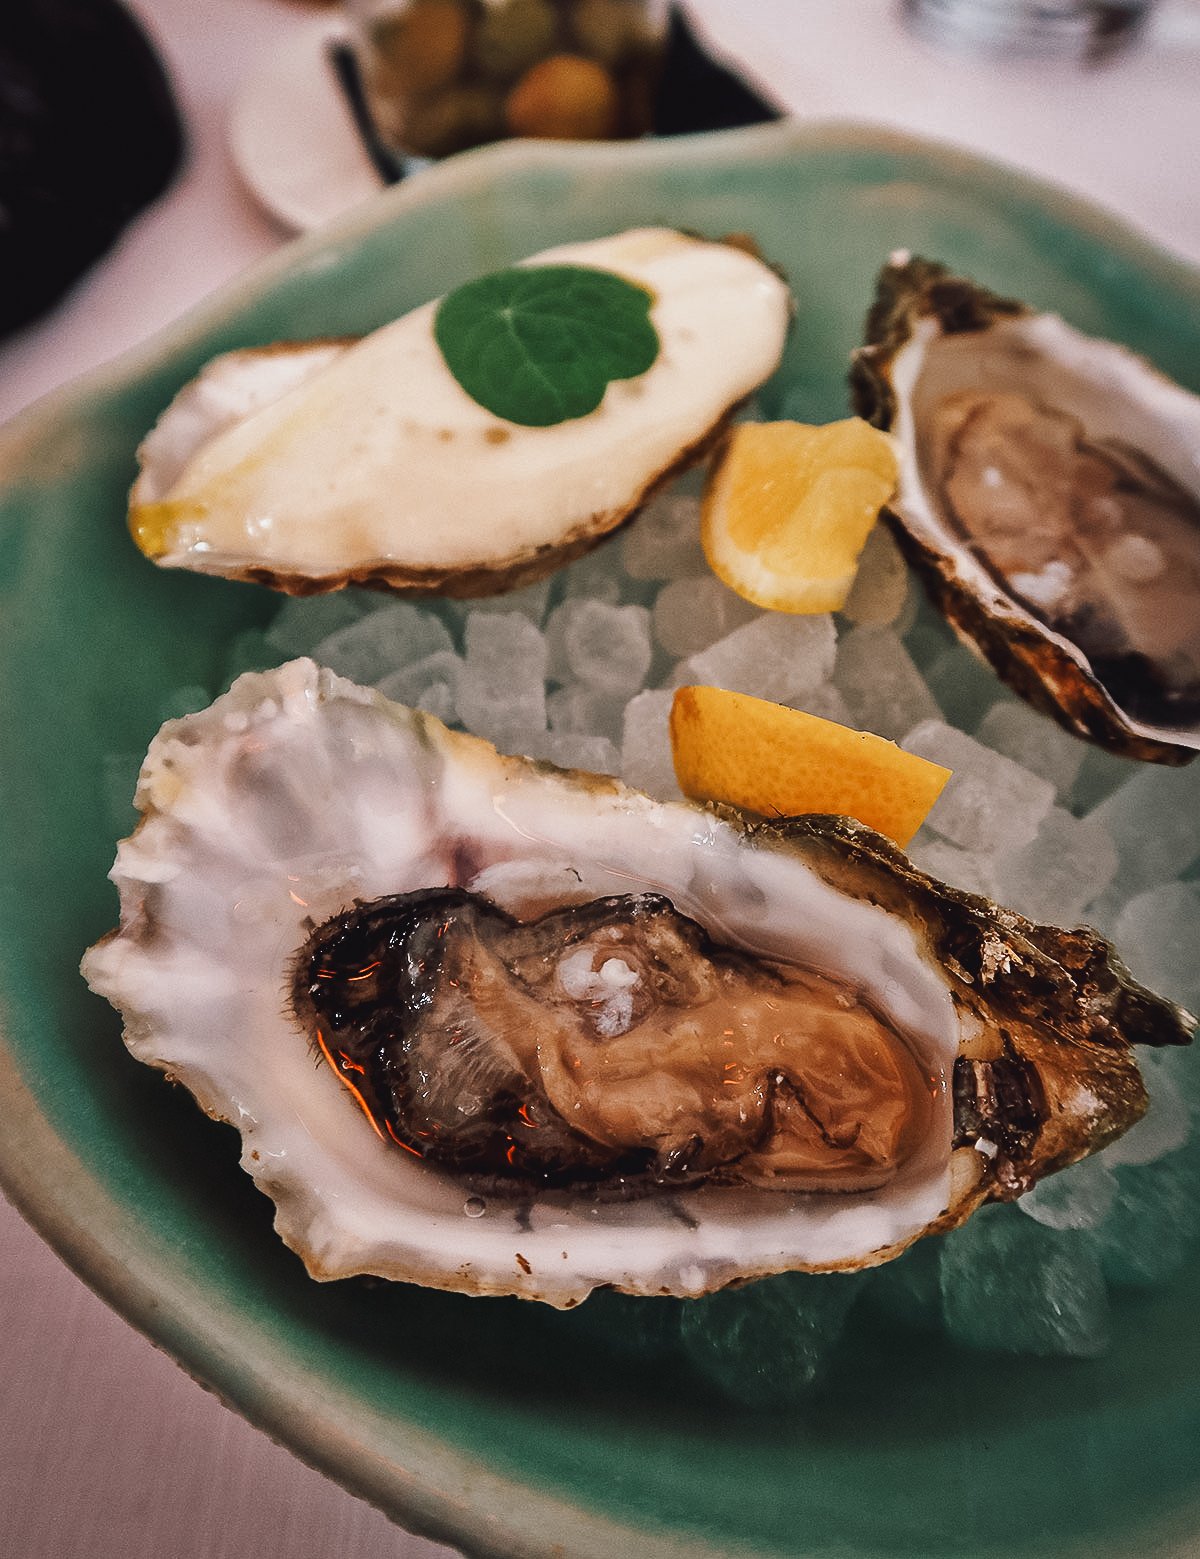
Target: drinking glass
[1077, 29]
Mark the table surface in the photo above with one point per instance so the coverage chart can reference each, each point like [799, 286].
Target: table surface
[107, 1449]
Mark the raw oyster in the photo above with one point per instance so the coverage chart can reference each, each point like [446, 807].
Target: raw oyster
[298, 798]
[567, 1049]
[312, 465]
[1050, 496]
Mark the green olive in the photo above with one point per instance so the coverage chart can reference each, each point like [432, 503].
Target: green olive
[453, 120]
[607, 30]
[419, 48]
[514, 35]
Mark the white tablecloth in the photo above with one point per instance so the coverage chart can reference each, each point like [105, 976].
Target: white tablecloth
[106, 1448]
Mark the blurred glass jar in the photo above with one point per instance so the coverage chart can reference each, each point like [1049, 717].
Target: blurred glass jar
[1048, 29]
[443, 75]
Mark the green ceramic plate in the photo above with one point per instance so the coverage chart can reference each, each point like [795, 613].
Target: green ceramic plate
[492, 1423]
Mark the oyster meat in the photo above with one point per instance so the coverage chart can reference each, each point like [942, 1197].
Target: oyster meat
[1050, 496]
[566, 1036]
[567, 1050]
[312, 465]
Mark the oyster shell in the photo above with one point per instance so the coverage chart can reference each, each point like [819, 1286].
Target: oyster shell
[312, 465]
[1050, 497]
[298, 797]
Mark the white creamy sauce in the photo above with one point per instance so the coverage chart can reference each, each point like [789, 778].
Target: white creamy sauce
[379, 455]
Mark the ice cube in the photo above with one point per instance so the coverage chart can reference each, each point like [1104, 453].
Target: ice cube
[1182, 1067]
[768, 1345]
[501, 691]
[973, 873]
[586, 711]
[570, 750]
[1154, 821]
[879, 680]
[1158, 936]
[530, 601]
[990, 803]
[429, 684]
[663, 542]
[1011, 1286]
[909, 1289]
[826, 703]
[1154, 1221]
[1167, 1123]
[1074, 1198]
[604, 646]
[690, 614]
[1068, 863]
[646, 760]
[880, 587]
[1034, 741]
[1100, 775]
[303, 621]
[777, 657]
[596, 576]
[961, 681]
[375, 645]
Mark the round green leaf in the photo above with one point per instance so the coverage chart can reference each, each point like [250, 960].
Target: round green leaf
[540, 344]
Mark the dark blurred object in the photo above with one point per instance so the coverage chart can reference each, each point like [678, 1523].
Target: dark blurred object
[698, 92]
[389, 165]
[89, 135]
[1087, 31]
[695, 92]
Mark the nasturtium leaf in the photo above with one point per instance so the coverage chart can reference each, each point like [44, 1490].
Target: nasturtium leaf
[540, 344]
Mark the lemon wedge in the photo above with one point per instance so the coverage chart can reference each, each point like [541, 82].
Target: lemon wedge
[789, 507]
[781, 762]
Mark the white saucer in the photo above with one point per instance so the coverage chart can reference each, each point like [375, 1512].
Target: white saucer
[292, 136]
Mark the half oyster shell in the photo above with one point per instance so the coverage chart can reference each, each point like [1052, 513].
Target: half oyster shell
[1049, 494]
[299, 797]
[309, 466]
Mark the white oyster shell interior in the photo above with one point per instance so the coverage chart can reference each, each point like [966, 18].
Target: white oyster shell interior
[298, 793]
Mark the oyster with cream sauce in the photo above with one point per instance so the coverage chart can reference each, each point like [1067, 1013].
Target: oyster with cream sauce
[309, 466]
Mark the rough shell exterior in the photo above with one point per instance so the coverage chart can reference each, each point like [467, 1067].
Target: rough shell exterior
[1046, 1014]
